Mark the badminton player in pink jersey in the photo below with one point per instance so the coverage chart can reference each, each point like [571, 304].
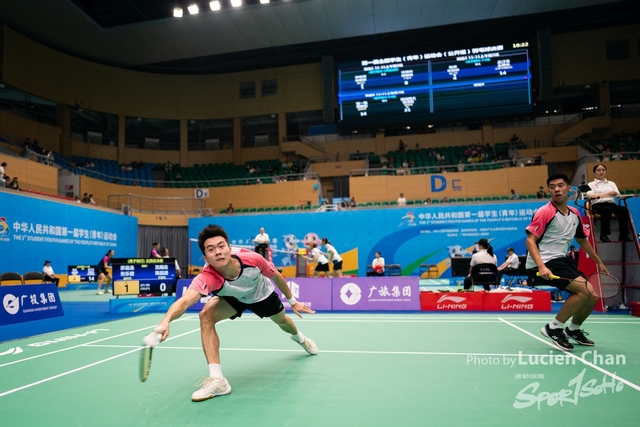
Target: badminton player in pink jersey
[240, 281]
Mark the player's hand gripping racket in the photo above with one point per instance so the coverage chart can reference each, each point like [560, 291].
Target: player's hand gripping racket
[604, 285]
[150, 341]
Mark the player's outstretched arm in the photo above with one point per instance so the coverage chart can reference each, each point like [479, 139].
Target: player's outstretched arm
[296, 306]
[177, 309]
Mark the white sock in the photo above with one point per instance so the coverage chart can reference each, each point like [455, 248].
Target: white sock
[215, 371]
[574, 327]
[554, 324]
[299, 337]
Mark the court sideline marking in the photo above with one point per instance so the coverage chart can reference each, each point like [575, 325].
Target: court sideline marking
[596, 367]
[86, 366]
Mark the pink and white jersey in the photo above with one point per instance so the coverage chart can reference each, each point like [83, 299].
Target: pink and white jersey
[251, 286]
[555, 232]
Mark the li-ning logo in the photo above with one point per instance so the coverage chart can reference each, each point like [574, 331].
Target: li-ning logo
[519, 303]
[350, 294]
[4, 228]
[11, 304]
[456, 303]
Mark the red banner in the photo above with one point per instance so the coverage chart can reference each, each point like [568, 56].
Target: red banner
[517, 301]
[448, 301]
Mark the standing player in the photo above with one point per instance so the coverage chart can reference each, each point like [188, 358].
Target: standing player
[103, 273]
[551, 231]
[241, 282]
[333, 256]
[319, 260]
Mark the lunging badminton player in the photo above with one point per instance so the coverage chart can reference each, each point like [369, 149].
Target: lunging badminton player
[549, 235]
[241, 282]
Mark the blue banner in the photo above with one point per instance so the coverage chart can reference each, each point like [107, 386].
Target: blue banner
[409, 236]
[22, 303]
[33, 230]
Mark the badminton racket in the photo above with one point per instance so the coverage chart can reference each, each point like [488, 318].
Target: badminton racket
[604, 285]
[150, 341]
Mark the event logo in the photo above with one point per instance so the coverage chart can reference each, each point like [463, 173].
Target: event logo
[4, 228]
[408, 219]
[350, 294]
[455, 304]
[11, 304]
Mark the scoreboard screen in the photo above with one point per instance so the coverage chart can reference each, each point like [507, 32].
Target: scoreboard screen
[82, 273]
[426, 87]
[155, 275]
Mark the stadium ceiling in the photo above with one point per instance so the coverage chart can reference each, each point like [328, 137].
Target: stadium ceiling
[144, 35]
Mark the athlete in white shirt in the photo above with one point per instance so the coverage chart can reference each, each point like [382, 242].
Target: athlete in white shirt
[483, 256]
[510, 266]
[333, 256]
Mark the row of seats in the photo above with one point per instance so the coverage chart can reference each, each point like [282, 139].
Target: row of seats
[13, 278]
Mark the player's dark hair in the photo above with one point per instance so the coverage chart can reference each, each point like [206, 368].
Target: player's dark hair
[561, 176]
[109, 251]
[163, 251]
[154, 244]
[598, 165]
[325, 241]
[210, 231]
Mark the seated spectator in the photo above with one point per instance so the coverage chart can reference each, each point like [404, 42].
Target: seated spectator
[91, 201]
[352, 203]
[377, 266]
[168, 166]
[513, 195]
[3, 177]
[427, 201]
[230, 208]
[178, 176]
[49, 275]
[14, 184]
[541, 194]
[460, 166]
[445, 199]
[85, 198]
[77, 199]
[402, 201]
[344, 203]
[251, 170]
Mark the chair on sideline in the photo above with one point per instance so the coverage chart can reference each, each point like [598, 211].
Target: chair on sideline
[393, 269]
[11, 277]
[33, 276]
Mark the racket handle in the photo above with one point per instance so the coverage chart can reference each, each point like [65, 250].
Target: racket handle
[553, 276]
[152, 339]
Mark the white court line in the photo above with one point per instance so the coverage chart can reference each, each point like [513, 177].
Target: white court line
[99, 362]
[383, 320]
[568, 353]
[146, 328]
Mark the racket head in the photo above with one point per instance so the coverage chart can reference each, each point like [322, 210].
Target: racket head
[604, 285]
[145, 362]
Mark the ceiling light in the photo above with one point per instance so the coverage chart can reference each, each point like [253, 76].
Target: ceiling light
[193, 9]
[214, 5]
[177, 12]
[236, 3]
[264, 1]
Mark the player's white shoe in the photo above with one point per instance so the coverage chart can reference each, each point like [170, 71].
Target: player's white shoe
[211, 387]
[308, 345]
[99, 293]
[107, 291]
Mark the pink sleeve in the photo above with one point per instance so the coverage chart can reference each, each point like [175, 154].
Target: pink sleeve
[541, 220]
[207, 282]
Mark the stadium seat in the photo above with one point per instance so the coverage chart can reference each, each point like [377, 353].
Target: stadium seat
[11, 277]
[33, 277]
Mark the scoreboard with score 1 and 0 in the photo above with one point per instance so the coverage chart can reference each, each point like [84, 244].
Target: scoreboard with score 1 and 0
[154, 275]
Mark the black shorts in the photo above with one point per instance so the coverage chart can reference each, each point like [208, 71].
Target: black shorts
[266, 308]
[563, 267]
[102, 270]
[337, 265]
[322, 267]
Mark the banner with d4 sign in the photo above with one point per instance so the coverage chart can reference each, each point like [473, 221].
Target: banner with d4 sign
[23, 303]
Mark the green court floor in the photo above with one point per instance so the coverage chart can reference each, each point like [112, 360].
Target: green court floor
[372, 370]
